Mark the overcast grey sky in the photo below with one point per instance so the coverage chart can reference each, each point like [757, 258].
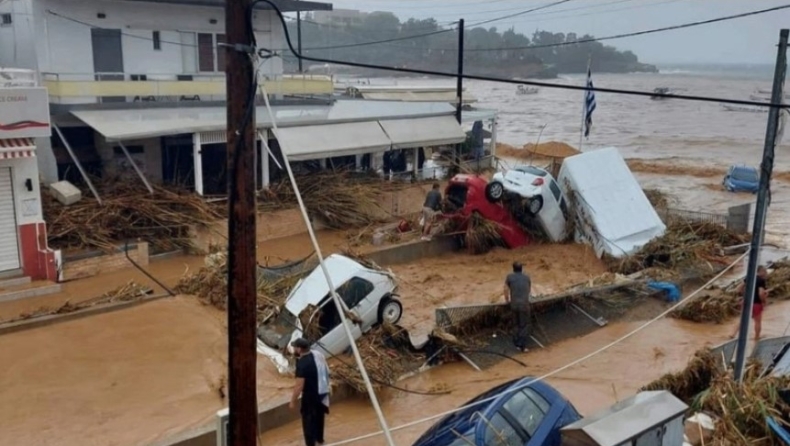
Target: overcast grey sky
[749, 40]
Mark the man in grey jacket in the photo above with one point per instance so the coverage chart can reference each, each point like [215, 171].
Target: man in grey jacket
[517, 288]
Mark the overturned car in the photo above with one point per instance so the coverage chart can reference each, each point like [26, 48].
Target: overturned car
[369, 295]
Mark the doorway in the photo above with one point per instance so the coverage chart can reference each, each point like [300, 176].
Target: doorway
[108, 58]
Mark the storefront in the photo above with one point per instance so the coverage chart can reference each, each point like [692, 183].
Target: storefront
[24, 115]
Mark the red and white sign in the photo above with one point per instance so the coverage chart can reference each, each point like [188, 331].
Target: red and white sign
[24, 113]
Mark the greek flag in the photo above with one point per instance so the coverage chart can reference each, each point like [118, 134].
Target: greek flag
[589, 104]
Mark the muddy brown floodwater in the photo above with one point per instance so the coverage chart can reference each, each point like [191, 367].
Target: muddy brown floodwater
[124, 378]
[602, 380]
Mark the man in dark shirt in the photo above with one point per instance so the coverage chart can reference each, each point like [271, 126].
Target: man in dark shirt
[760, 300]
[313, 410]
[517, 289]
[431, 207]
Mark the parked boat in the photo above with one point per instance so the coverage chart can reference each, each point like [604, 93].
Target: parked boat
[660, 93]
[523, 89]
[745, 108]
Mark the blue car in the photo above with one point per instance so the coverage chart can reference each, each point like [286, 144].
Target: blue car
[742, 179]
[530, 416]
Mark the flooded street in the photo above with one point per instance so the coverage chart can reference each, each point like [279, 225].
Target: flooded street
[148, 373]
[604, 379]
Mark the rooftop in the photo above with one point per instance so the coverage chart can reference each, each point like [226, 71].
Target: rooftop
[138, 123]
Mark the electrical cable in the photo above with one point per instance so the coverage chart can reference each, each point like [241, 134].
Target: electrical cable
[536, 83]
[606, 347]
[341, 308]
[516, 14]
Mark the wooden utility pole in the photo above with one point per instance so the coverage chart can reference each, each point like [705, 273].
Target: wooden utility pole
[239, 72]
[459, 92]
[763, 194]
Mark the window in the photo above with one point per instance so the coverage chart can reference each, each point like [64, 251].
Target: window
[156, 37]
[526, 410]
[532, 170]
[354, 291]
[500, 432]
[5, 19]
[211, 57]
[555, 190]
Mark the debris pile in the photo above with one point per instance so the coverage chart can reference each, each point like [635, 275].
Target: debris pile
[720, 304]
[339, 199]
[128, 212]
[128, 292]
[715, 305]
[706, 385]
[687, 246]
[659, 199]
[387, 354]
[481, 235]
[210, 284]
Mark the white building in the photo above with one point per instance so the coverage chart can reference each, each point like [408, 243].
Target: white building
[348, 17]
[140, 83]
[24, 115]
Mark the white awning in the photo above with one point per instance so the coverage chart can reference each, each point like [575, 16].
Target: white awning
[424, 132]
[330, 140]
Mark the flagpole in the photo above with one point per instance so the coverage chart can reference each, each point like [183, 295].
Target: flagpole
[584, 105]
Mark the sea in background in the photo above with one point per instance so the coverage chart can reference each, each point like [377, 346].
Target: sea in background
[694, 135]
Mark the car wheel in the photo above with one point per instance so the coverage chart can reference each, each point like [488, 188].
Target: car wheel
[390, 311]
[535, 205]
[494, 191]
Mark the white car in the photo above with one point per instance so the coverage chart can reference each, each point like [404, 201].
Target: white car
[369, 294]
[532, 194]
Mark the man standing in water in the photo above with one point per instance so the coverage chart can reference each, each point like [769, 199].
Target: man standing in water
[432, 206]
[517, 289]
[312, 383]
[760, 301]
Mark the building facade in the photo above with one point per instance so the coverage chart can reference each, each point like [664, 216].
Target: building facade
[127, 54]
[24, 115]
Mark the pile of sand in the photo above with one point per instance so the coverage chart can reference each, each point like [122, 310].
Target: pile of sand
[551, 149]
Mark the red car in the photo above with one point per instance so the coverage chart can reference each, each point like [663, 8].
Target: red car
[466, 195]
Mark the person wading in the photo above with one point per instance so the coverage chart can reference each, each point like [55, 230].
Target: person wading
[760, 301]
[517, 289]
[431, 207]
[312, 383]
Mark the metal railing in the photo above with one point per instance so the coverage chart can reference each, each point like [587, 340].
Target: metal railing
[668, 214]
[169, 87]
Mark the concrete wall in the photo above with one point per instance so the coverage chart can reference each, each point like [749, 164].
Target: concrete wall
[28, 203]
[104, 263]
[269, 225]
[17, 38]
[149, 162]
[64, 46]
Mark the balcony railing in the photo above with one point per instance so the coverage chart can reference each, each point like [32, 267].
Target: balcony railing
[125, 87]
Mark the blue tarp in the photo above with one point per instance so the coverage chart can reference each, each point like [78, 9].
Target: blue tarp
[672, 290]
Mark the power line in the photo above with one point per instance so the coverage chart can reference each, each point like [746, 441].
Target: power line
[574, 363]
[641, 33]
[508, 16]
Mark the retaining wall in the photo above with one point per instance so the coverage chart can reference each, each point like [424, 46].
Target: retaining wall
[94, 263]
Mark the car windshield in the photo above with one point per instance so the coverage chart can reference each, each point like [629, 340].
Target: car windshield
[532, 170]
[277, 333]
[744, 174]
